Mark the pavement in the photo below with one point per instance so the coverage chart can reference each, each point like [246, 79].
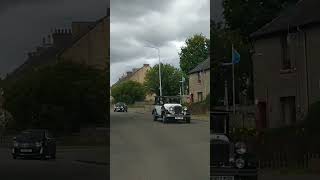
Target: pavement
[73, 162]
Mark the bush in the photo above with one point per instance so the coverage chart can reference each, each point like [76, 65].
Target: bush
[60, 97]
[128, 92]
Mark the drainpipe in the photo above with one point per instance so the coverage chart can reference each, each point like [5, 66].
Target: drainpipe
[306, 63]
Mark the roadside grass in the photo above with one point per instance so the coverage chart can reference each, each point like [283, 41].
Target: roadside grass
[203, 117]
[135, 106]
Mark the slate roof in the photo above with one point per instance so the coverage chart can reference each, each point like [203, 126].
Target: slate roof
[304, 12]
[205, 65]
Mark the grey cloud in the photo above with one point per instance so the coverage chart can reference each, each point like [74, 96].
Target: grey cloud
[129, 10]
[24, 25]
[137, 23]
[216, 11]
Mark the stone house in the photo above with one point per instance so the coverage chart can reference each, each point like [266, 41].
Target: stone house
[86, 42]
[137, 75]
[90, 44]
[286, 65]
[199, 82]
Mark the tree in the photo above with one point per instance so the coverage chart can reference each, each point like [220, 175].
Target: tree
[221, 43]
[61, 97]
[247, 16]
[170, 78]
[195, 52]
[128, 92]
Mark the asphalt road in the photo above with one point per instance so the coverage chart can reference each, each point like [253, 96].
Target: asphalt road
[70, 164]
[142, 149]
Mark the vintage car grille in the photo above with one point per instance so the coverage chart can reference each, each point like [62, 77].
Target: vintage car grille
[220, 152]
[177, 109]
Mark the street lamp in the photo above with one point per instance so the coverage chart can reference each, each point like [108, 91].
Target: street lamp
[160, 88]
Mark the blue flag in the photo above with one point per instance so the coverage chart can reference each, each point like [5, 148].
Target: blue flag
[235, 56]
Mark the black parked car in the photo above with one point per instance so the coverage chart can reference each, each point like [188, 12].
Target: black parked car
[230, 159]
[120, 107]
[34, 143]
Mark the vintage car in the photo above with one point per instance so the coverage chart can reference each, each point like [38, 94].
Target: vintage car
[229, 160]
[120, 107]
[169, 108]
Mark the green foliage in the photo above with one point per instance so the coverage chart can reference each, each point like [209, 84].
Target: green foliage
[247, 16]
[128, 92]
[61, 97]
[195, 52]
[170, 77]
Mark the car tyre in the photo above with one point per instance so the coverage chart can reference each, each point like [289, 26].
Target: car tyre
[53, 156]
[188, 120]
[164, 119]
[14, 156]
[154, 115]
[43, 156]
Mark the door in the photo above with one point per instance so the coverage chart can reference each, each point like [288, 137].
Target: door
[262, 115]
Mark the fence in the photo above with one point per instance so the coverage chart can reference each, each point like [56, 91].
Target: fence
[244, 117]
[282, 160]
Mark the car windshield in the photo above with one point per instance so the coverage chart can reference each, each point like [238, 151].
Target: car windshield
[120, 104]
[30, 135]
[172, 100]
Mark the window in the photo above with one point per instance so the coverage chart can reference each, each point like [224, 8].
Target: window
[288, 110]
[286, 63]
[199, 77]
[200, 97]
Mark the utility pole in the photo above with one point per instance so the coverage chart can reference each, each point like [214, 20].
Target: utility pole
[233, 86]
[160, 84]
[226, 101]
[159, 72]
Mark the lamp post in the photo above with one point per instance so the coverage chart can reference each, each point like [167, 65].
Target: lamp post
[160, 87]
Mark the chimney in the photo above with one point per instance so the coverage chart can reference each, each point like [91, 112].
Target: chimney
[61, 38]
[49, 39]
[44, 41]
[129, 73]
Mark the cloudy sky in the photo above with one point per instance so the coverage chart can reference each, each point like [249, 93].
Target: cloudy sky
[25, 22]
[165, 24]
[216, 10]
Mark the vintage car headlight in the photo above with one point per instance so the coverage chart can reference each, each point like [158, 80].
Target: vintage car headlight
[185, 109]
[240, 163]
[171, 109]
[240, 148]
[38, 144]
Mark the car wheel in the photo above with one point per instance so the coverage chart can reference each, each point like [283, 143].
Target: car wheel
[188, 120]
[14, 156]
[53, 156]
[43, 156]
[164, 119]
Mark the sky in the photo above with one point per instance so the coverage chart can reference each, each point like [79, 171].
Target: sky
[216, 10]
[165, 24]
[25, 22]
